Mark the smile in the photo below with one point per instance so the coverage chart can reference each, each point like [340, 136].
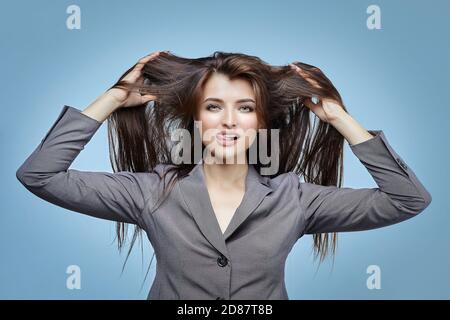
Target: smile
[227, 140]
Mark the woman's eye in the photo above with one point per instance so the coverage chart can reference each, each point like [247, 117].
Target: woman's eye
[249, 109]
[211, 106]
[214, 107]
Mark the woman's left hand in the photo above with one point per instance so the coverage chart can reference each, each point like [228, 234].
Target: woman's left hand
[326, 109]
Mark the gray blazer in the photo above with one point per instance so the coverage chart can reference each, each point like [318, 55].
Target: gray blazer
[194, 259]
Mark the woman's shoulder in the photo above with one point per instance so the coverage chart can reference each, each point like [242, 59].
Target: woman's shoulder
[283, 179]
[157, 173]
[162, 168]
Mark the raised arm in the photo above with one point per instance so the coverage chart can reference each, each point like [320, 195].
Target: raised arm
[120, 196]
[117, 196]
[399, 195]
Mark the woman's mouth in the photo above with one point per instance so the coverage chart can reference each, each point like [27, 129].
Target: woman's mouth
[227, 139]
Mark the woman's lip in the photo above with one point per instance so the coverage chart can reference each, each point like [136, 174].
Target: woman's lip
[225, 142]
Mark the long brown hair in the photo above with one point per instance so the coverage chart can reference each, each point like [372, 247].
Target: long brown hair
[139, 136]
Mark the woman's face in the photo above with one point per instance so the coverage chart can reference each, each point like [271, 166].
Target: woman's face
[227, 106]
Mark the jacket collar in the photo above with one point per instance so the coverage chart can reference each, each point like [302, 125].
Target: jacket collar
[195, 192]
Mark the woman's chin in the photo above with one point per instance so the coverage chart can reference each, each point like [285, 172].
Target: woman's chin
[228, 156]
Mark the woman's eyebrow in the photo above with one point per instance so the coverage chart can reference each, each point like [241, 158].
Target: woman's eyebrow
[237, 101]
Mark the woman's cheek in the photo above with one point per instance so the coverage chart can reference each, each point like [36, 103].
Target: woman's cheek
[205, 132]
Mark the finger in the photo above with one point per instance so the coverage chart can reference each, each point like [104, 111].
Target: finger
[311, 105]
[305, 75]
[318, 112]
[152, 56]
[299, 70]
[132, 76]
[135, 74]
[149, 57]
[140, 79]
[147, 98]
[141, 63]
[308, 78]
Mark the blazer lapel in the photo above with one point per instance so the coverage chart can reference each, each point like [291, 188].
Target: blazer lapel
[256, 189]
[195, 192]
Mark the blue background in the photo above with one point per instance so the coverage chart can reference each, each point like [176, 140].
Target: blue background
[395, 79]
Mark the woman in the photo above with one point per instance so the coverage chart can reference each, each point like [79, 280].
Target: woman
[219, 228]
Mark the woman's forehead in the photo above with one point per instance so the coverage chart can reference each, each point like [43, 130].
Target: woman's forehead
[221, 87]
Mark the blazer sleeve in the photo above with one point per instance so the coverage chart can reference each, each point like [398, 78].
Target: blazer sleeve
[399, 195]
[119, 196]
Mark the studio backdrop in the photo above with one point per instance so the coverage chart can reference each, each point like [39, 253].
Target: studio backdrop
[388, 60]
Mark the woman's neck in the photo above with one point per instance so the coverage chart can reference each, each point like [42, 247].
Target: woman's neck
[227, 175]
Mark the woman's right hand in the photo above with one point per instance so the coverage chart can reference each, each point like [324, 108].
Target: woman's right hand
[125, 98]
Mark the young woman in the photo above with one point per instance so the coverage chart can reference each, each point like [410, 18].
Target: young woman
[220, 228]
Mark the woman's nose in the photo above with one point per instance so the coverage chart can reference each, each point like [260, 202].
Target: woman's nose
[229, 118]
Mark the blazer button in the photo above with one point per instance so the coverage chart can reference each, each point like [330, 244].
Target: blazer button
[222, 261]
